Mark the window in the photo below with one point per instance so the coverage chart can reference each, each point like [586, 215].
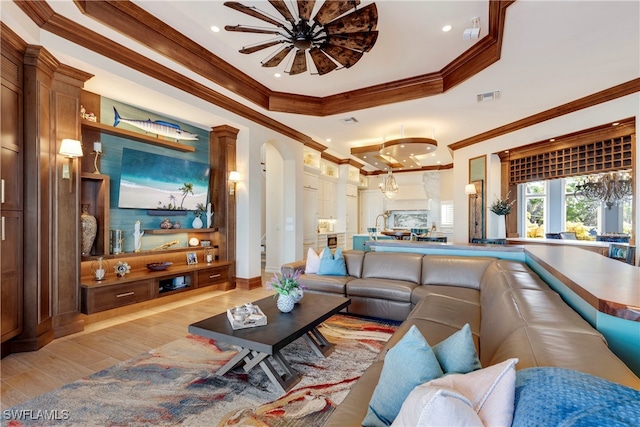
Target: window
[582, 215]
[554, 206]
[446, 214]
[535, 195]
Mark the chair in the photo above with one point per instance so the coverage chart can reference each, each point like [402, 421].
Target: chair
[624, 253]
[568, 235]
[552, 235]
[622, 238]
[432, 239]
[490, 241]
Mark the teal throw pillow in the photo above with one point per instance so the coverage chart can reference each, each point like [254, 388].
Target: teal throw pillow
[332, 265]
[457, 354]
[408, 364]
[412, 362]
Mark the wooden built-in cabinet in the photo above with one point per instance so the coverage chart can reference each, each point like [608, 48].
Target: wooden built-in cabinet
[11, 184]
[94, 192]
[144, 285]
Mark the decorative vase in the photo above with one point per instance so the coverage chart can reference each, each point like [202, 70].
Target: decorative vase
[502, 227]
[285, 303]
[298, 295]
[89, 226]
[197, 222]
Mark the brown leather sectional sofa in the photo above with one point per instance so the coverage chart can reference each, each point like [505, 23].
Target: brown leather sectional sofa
[511, 310]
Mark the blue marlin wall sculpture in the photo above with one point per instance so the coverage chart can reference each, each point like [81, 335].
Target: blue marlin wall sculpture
[159, 127]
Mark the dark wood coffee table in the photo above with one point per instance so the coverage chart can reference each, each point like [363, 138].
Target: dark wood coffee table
[260, 346]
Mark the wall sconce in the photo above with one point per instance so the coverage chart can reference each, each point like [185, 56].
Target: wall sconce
[97, 150]
[234, 177]
[70, 148]
[470, 190]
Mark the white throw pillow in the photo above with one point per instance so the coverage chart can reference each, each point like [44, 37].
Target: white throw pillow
[490, 391]
[429, 406]
[313, 262]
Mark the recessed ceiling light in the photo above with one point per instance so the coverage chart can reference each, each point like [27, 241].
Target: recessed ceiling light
[328, 139]
[552, 139]
[215, 29]
[364, 157]
[616, 123]
[438, 162]
[277, 75]
[447, 28]
[433, 154]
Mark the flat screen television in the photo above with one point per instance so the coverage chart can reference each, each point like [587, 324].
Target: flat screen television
[152, 181]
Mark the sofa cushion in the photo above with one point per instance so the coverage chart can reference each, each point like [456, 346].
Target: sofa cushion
[354, 260]
[394, 290]
[393, 266]
[490, 392]
[457, 292]
[378, 307]
[584, 352]
[454, 270]
[409, 363]
[332, 264]
[324, 284]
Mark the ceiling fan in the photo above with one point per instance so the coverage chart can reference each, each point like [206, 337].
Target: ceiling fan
[332, 37]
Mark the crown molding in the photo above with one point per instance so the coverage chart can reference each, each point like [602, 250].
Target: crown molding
[139, 25]
[606, 95]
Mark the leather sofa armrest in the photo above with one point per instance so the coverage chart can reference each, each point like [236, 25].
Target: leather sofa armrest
[293, 266]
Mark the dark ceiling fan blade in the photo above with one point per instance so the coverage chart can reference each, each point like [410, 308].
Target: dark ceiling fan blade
[305, 7]
[299, 63]
[346, 57]
[322, 62]
[241, 29]
[252, 49]
[364, 19]
[278, 57]
[251, 11]
[330, 10]
[356, 41]
[281, 7]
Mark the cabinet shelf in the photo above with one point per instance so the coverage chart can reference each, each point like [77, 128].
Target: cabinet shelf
[180, 230]
[136, 136]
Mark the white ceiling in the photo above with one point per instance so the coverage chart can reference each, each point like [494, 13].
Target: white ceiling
[553, 52]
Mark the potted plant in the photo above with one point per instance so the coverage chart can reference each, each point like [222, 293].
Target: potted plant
[288, 289]
[197, 222]
[502, 207]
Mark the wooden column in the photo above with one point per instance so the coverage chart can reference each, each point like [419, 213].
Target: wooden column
[39, 199]
[67, 88]
[511, 220]
[51, 222]
[222, 158]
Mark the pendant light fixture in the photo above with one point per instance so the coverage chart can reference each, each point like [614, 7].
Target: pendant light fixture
[389, 186]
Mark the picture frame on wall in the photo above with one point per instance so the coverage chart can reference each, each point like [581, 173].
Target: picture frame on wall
[192, 258]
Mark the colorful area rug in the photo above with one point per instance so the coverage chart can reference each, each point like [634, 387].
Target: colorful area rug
[176, 385]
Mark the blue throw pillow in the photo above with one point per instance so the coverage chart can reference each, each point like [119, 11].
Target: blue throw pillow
[408, 364]
[412, 362]
[557, 396]
[332, 265]
[457, 354]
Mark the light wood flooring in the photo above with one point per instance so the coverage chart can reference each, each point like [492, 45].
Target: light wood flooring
[107, 341]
